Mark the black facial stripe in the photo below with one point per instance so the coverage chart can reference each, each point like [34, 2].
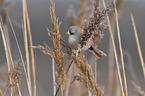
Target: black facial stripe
[71, 33]
[91, 48]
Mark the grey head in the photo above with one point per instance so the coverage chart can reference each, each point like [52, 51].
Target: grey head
[73, 30]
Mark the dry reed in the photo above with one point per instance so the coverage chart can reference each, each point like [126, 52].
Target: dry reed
[31, 51]
[9, 60]
[57, 48]
[18, 49]
[93, 28]
[97, 36]
[110, 54]
[10, 66]
[14, 76]
[138, 45]
[26, 47]
[114, 49]
[121, 50]
[7, 40]
[86, 76]
[138, 89]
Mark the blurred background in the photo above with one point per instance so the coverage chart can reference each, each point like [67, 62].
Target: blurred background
[40, 19]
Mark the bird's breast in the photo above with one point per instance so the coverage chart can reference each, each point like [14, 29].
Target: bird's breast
[73, 41]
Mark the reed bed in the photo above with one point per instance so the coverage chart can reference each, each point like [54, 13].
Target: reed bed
[71, 70]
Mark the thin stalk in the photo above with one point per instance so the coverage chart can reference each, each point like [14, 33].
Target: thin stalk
[111, 64]
[8, 55]
[26, 47]
[69, 81]
[6, 33]
[115, 52]
[6, 51]
[19, 50]
[18, 88]
[5, 91]
[5, 47]
[117, 86]
[66, 73]
[138, 45]
[1, 93]
[95, 70]
[31, 51]
[121, 51]
[54, 81]
[77, 84]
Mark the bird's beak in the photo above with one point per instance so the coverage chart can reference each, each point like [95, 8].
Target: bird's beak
[67, 32]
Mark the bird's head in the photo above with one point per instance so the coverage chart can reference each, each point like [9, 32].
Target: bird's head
[74, 30]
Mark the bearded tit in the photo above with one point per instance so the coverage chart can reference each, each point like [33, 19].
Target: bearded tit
[74, 33]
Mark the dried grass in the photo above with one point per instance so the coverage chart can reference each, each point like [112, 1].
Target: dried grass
[26, 45]
[121, 50]
[110, 54]
[57, 48]
[14, 76]
[138, 45]
[97, 37]
[93, 26]
[19, 49]
[138, 89]
[92, 20]
[115, 52]
[8, 55]
[8, 48]
[31, 51]
[86, 76]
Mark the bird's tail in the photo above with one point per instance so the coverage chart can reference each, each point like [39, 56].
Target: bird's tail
[97, 53]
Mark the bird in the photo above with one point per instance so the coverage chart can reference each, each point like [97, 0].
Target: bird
[74, 33]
